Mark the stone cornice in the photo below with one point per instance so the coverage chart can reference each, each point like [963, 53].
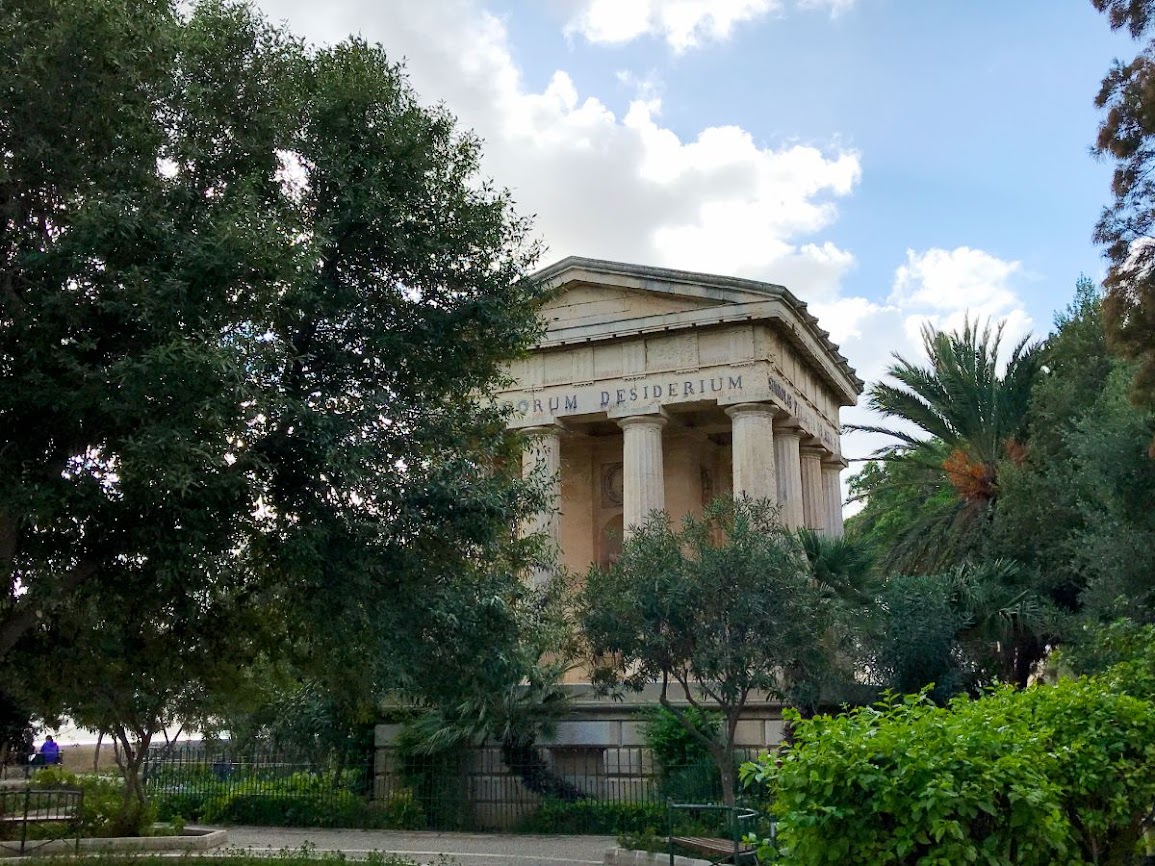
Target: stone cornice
[735, 300]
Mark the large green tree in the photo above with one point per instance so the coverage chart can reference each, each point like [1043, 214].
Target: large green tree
[253, 296]
[1125, 228]
[1080, 511]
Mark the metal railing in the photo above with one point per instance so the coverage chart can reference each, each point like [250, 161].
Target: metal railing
[254, 786]
[544, 789]
[32, 817]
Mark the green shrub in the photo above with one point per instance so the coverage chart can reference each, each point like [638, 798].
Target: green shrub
[283, 811]
[252, 794]
[399, 811]
[188, 805]
[105, 812]
[635, 820]
[1052, 774]
[594, 817]
[402, 811]
[686, 772]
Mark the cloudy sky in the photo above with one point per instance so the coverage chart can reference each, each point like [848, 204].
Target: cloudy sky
[890, 161]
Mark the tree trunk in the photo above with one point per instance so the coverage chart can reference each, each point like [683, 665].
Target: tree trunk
[729, 780]
[535, 773]
[130, 759]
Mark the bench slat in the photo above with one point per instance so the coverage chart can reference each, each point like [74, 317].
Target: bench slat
[712, 846]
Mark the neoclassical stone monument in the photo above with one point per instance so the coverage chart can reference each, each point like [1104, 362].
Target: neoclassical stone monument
[657, 389]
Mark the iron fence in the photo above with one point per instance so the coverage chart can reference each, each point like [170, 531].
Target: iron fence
[261, 786]
[543, 789]
[546, 790]
[32, 817]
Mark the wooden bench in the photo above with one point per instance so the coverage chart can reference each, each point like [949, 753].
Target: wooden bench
[37, 806]
[719, 850]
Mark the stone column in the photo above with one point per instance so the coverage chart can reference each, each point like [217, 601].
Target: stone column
[813, 500]
[787, 442]
[541, 459]
[643, 474]
[753, 444]
[832, 492]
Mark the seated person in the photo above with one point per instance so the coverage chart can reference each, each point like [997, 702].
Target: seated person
[49, 752]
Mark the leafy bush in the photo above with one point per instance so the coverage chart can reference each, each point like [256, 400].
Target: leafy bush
[594, 817]
[236, 793]
[338, 809]
[686, 772]
[633, 820]
[105, 812]
[1052, 774]
[672, 745]
[342, 810]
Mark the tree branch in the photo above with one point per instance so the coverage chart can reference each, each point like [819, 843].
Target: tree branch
[29, 607]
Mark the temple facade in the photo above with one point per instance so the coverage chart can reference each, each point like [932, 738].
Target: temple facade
[657, 390]
[651, 390]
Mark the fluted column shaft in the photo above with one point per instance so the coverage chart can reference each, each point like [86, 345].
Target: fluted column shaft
[541, 459]
[813, 498]
[787, 442]
[832, 491]
[752, 432]
[643, 474]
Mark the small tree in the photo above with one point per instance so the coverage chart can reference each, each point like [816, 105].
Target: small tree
[111, 663]
[714, 612]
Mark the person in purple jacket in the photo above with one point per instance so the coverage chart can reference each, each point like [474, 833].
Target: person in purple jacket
[50, 751]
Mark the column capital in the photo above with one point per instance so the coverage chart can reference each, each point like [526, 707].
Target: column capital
[813, 448]
[752, 409]
[835, 461]
[788, 422]
[555, 428]
[651, 419]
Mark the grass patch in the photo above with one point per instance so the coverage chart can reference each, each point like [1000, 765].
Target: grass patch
[304, 856]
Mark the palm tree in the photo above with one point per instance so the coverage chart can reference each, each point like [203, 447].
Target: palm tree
[962, 402]
[959, 419]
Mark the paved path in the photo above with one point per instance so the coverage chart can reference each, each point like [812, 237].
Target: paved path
[467, 849]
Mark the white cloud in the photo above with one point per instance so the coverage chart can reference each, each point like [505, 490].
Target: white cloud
[605, 185]
[683, 24]
[836, 7]
[944, 287]
[953, 279]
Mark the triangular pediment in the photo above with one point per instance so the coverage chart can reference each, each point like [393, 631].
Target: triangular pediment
[594, 301]
[589, 291]
[583, 304]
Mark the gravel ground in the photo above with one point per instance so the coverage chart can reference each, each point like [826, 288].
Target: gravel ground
[467, 849]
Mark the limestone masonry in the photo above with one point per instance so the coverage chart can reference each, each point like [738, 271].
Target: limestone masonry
[653, 390]
[656, 389]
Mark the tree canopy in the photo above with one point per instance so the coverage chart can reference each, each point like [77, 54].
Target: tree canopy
[1126, 227]
[716, 612]
[253, 295]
